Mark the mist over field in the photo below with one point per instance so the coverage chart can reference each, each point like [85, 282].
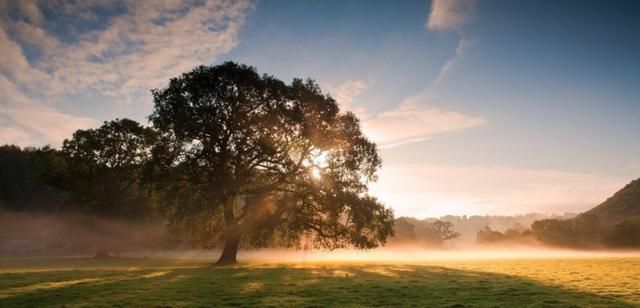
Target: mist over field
[69, 232]
[403, 255]
[77, 235]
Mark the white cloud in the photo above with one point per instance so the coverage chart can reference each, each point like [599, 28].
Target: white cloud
[122, 60]
[30, 10]
[449, 14]
[347, 92]
[34, 123]
[142, 50]
[14, 64]
[413, 121]
[424, 190]
[50, 123]
[36, 36]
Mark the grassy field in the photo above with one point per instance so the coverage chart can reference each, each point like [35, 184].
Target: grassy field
[608, 282]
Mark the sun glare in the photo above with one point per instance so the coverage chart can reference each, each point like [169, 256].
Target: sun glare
[320, 160]
[317, 162]
[315, 172]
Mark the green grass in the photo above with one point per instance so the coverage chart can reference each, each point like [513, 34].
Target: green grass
[174, 283]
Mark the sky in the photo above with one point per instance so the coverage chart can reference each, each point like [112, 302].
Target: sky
[478, 107]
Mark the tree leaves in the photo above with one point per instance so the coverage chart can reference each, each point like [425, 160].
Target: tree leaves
[231, 134]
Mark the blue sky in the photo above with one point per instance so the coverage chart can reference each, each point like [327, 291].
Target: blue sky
[479, 107]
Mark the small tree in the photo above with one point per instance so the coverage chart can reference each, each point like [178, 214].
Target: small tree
[245, 156]
[487, 235]
[442, 231]
[102, 170]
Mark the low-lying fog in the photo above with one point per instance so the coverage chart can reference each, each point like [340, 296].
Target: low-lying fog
[77, 235]
[392, 255]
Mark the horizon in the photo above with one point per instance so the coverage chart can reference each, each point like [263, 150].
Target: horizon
[478, 108]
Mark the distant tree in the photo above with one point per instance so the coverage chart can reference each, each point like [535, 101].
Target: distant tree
[488, 236]
[104, 168]
[404, 231]
[625, 234]
[518, 234]
[248, 157]
[103, 171]
[442, 231]
[587, 230]
[21, 184]
[554, 232]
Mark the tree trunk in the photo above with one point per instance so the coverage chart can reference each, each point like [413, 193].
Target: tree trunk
[230, 249]
[231, 236]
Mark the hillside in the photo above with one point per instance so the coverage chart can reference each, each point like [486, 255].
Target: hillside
[623, 205]
[614, 223]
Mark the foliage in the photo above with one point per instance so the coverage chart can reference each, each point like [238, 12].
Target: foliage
[468, 226]
[21, 184]
[245, 156]
[513, 235]
[583, 231]
[442, 231]
[625, 234]
[409, 230]
[404, 231]
[103, 170]
[486, 235]
[553, 231]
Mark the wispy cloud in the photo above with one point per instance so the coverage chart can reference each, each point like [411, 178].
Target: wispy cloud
[27, 122]
[449, 14]
[417, 118]
[347, 92]
[412, 121]
[133, 48]
[447, 68]
[30, 10]
[424, 190]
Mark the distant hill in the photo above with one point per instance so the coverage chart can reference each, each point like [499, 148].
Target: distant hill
[614, 223]
[623, 205]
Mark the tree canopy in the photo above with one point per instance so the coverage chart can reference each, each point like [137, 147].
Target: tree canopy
[245, 157]
[103, 169]
[22, 187]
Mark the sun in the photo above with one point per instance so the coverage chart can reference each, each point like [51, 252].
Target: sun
[317, 163]
[316, 173]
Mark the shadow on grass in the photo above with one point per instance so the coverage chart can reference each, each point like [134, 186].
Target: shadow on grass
[312, 286]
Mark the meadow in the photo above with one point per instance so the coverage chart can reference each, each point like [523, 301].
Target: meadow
[141, 282]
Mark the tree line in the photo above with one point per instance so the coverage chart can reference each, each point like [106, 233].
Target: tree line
[584, 231]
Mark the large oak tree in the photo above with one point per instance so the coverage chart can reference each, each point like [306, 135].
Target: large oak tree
[248, 158]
